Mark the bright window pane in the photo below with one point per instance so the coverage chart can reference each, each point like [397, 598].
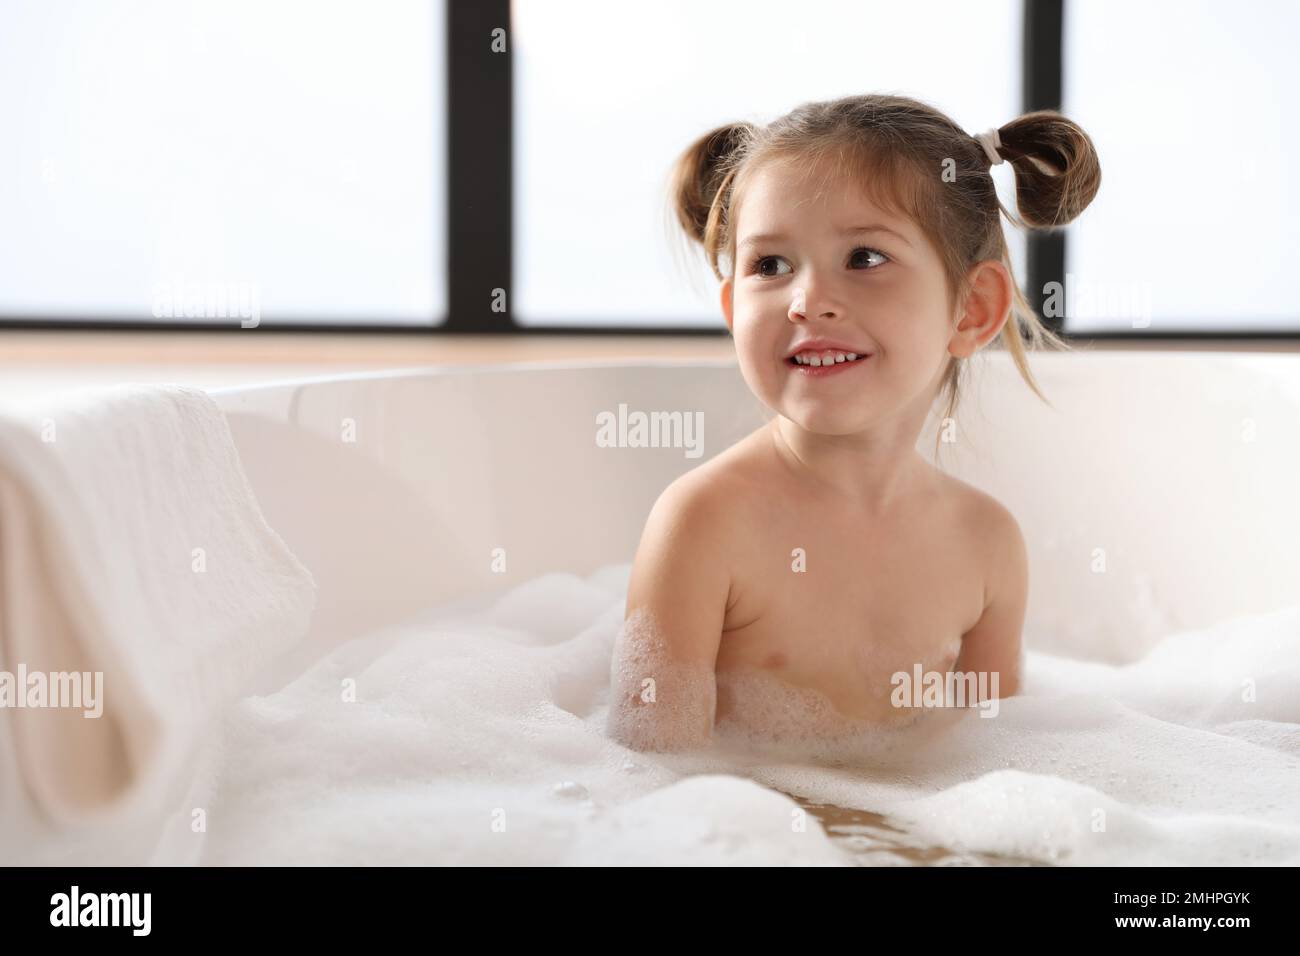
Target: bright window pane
[1192, 106]
[608, 95]
[186, 155]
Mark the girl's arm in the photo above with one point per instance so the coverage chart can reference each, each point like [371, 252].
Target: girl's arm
[663, 688]
[993, 645]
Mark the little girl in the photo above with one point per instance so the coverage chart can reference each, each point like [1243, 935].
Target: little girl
[781, 587]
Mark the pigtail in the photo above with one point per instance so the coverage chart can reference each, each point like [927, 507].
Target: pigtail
[1057, 169]
[702, 176]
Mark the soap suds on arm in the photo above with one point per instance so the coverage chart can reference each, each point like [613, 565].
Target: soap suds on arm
[657, 703]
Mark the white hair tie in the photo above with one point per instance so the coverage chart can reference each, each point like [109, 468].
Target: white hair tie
[991, 142]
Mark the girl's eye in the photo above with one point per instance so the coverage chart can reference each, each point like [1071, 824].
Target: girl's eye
[871, 252]
[759, 263]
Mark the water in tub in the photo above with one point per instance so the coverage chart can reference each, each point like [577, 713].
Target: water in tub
[477, 733]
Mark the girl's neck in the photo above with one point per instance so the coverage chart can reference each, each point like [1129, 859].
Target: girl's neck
[866, 472]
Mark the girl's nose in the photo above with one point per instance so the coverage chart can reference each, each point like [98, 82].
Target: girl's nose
[798, 310]
[798, 303]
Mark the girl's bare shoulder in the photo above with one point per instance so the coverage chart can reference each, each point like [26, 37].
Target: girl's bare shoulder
[725, 490]
[987, 521]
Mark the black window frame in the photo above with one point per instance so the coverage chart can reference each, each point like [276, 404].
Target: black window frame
[479, 193]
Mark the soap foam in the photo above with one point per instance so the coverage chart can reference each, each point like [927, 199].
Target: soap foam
[769, 715]
[484, 737]
[762, 712]
[656, 702]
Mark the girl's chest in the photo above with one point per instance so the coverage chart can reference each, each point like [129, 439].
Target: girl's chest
[841, 610]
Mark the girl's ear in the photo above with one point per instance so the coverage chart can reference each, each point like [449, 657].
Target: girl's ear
[727, 303]
[988, 306]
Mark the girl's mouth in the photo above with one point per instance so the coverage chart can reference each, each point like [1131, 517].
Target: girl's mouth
[827, 368]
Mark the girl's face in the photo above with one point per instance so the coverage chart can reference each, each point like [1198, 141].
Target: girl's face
[836, 267]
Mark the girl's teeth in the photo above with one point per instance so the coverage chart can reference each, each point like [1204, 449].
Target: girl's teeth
[817, 360]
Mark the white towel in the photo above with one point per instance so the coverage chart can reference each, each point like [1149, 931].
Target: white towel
[130, 545]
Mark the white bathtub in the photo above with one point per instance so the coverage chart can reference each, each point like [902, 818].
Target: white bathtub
[1158, 503]
[1157, 500]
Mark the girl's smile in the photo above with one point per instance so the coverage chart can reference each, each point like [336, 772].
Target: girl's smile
[823, 364]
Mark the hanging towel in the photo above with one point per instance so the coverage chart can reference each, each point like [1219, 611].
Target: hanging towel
[139, 579]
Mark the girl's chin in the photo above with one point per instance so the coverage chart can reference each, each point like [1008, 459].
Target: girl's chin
[826, 421]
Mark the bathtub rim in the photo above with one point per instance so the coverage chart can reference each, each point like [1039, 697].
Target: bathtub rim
[1128, 356]
[497, 368]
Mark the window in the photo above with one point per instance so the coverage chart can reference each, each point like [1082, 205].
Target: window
[1192, 108]
[606, 96]
[190, 161]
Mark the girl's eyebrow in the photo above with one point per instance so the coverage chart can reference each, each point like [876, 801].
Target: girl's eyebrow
[766, 237]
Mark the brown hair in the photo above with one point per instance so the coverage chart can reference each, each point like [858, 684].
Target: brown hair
[898, 149]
